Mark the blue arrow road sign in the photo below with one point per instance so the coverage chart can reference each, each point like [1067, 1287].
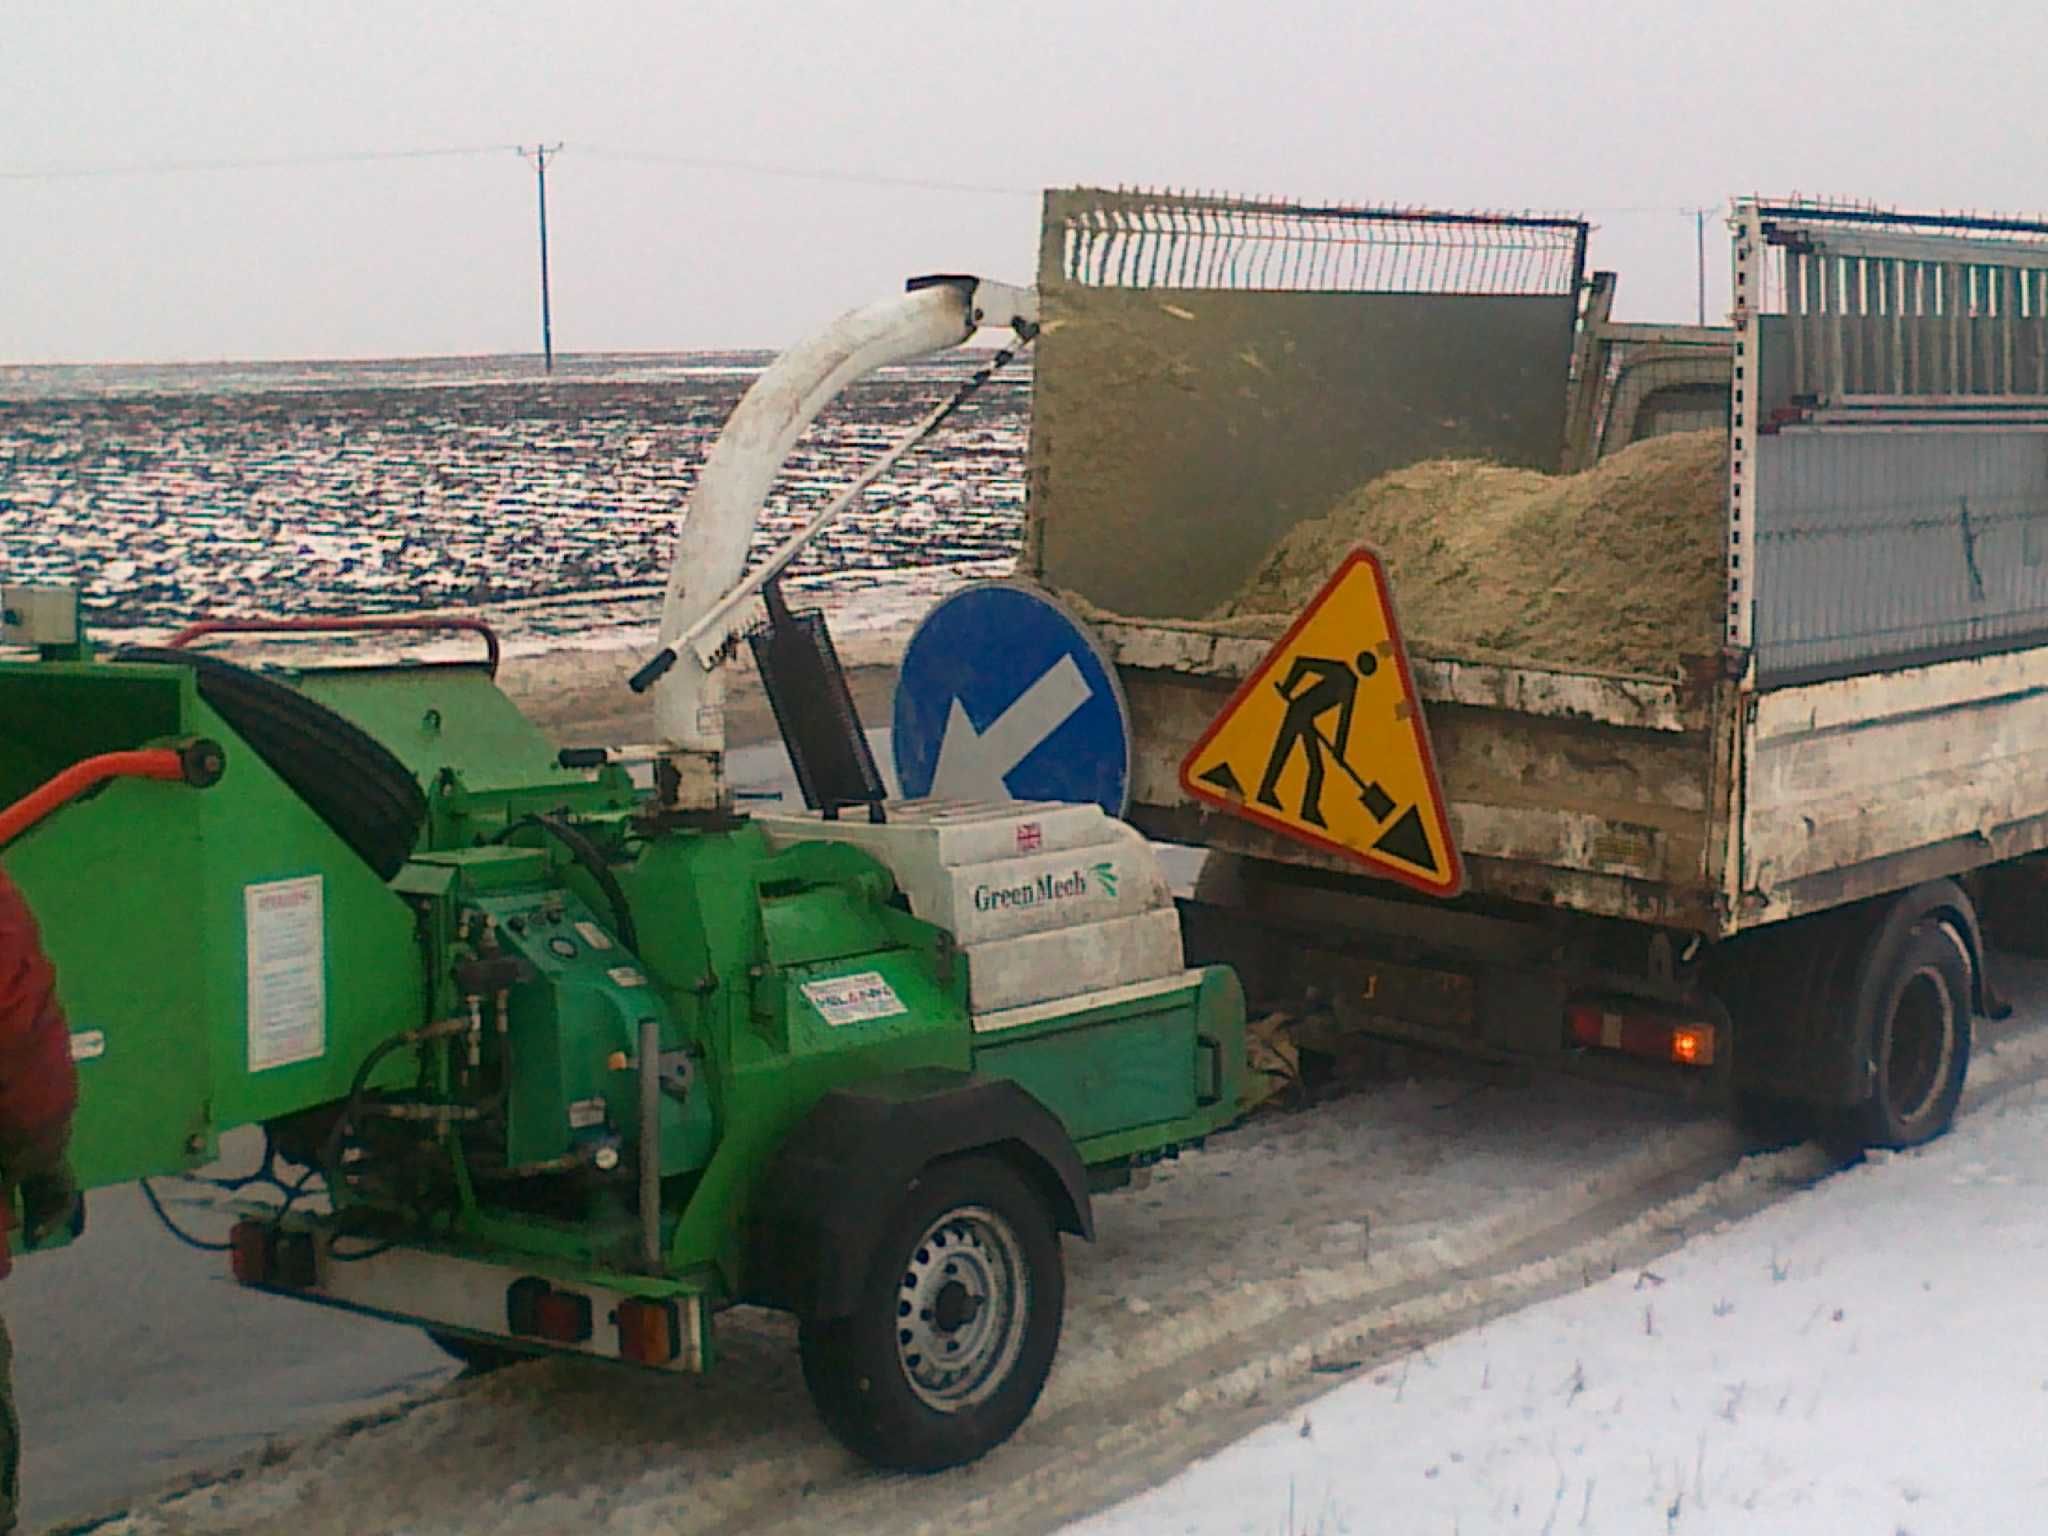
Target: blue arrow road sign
[1004, 695]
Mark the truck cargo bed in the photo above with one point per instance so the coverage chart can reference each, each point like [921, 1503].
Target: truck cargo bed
[1873, 712]
[1690, 806]
[1591, 792]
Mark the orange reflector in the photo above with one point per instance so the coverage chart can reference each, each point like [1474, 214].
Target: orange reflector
[649, 1331]
[1648, 1035]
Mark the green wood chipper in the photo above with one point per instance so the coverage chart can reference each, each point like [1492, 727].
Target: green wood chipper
[571, 1064]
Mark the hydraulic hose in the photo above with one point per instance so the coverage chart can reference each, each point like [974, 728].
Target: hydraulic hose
[592, 861]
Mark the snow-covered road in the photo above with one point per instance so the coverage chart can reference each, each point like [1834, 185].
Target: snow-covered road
[1305, 1248]
[1870, 1355]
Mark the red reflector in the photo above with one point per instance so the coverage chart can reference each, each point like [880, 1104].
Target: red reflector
[261, 1254]
[564, 1317]
[535, 1310]
[249, 1252]
[1648, 1035]
[649, 1333]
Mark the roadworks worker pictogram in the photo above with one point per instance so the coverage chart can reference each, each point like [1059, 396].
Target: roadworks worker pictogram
[1334, 699]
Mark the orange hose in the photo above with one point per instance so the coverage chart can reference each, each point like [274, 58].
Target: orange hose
[152, 763]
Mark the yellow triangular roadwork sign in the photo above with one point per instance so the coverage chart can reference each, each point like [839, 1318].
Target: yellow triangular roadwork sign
[1326, 741]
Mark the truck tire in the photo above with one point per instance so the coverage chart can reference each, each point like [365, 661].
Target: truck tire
[956, 1326]
[1919, 1039]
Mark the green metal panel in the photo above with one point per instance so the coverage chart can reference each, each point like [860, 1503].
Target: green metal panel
[768, 1054]
[440, 717]
[130, 951]
[142, 894]
[482, 762]
[52, 714]
[488, 869]
[1132, 1068]
[566, 1027]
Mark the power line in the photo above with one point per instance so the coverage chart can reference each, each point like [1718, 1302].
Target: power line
[74, 172]
[712, 163]
[79, 171]
[803, 173]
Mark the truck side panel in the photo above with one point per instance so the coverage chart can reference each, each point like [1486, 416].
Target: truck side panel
[1549, 803]
[1870, 784]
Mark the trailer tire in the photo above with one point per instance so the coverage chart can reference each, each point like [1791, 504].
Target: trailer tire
[878, 1376]
[1918, 1032]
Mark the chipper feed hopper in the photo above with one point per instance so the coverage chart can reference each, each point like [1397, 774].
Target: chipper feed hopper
[573, 1065]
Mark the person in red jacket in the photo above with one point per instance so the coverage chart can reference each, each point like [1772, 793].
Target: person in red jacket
[38, 1091]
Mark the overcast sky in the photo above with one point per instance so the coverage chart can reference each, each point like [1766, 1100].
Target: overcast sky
[1627, 112]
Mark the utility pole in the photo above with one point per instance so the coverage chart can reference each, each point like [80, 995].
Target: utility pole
[1699, 229]
[539, 155]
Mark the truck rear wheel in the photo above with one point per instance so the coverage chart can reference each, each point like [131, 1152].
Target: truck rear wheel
[1919, 1040]
[953, 1333]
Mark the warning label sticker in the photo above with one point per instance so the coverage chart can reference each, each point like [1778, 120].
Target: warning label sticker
[856, 999]
[1326, 742]
[287, 939]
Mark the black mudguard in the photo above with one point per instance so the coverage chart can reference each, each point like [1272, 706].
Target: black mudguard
[832, 1185]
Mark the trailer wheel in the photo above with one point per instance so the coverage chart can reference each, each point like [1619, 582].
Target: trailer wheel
[953, 1333]
[1919, 1040]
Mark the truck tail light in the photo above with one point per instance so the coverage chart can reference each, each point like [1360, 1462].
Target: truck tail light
[1652, 1036]
[536, 1310]
[650, 1332]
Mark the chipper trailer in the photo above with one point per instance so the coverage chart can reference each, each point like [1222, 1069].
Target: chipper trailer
[572, 1065]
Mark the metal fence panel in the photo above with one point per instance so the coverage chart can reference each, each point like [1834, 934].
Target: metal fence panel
[1884, 546]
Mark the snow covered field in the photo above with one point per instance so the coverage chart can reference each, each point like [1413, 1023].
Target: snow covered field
[1870, 1355]
[168, 494]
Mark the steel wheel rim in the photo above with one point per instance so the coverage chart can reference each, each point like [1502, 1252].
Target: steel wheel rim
[961, 1307]
[1922, 1041]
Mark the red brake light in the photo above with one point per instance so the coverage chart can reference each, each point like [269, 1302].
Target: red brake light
[1651, 1036]
[536, 1310]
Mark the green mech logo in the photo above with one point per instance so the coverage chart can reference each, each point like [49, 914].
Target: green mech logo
[1105, 874]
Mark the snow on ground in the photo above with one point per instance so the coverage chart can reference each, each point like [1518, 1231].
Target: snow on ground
[1304, 1246]
[1870, 1355]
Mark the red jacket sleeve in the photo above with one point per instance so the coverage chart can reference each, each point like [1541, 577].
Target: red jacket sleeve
[38, 1085]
